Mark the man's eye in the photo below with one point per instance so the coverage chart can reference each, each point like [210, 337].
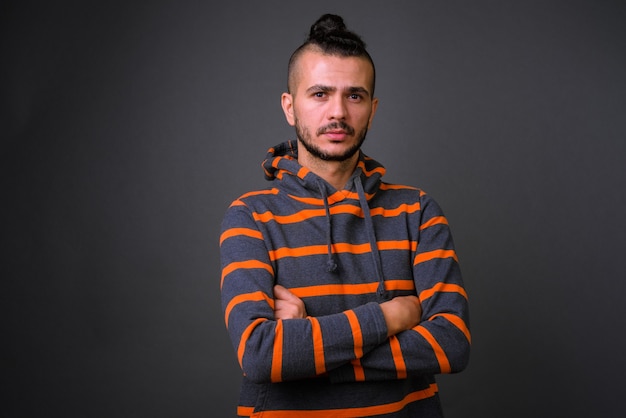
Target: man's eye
[355, 96]
[319, 94]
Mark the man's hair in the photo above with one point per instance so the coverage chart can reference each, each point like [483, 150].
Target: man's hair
[330, 36]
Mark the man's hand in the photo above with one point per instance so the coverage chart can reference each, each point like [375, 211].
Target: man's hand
[401, 313]
[287, 305]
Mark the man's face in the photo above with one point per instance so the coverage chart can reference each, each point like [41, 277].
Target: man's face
[331, 105]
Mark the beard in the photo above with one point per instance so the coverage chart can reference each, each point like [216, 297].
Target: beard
[304, 136]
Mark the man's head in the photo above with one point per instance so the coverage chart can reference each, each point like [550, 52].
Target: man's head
[330, 36]
[331, 85]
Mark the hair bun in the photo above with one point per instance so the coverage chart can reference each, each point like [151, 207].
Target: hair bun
[331, 33]
[326, 25]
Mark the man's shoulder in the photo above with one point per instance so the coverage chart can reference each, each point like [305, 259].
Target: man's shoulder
[401, 191]
[396, 186]
[394, 194]
[260, 194]
[255, 197]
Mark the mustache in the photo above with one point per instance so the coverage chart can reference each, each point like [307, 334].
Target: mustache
[334, 126]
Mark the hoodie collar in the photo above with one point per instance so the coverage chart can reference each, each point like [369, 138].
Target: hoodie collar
[281, 163]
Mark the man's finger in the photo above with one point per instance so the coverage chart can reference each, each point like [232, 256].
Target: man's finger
[281, 292]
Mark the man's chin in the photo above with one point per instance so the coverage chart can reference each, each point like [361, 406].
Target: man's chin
[338, 151]
[338, 156]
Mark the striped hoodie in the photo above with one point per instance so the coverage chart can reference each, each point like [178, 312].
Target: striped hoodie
[343, 252]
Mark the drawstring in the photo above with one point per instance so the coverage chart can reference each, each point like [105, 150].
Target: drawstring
[331, 264]
[369, 224]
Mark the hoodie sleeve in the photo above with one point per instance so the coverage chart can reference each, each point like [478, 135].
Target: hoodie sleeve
[270, 350]
[441, 342]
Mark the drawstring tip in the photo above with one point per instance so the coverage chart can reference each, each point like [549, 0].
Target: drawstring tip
[331, 266]
[381, 291]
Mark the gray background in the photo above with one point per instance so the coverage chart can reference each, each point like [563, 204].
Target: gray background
[127, 128]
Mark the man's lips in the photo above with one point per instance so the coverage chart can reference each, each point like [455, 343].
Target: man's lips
[336, 131]
[336, 134]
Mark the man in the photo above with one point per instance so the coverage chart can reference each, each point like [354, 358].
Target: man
[342, 294]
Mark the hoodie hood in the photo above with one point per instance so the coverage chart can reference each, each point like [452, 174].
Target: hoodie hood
[281, 165]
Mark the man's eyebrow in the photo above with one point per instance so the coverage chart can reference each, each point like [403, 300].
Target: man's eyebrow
[320, 87]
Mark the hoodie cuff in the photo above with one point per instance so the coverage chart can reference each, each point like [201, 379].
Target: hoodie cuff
[373, 325]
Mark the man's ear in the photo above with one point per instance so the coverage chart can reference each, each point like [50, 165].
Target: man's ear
[374, 107]
[286, 101]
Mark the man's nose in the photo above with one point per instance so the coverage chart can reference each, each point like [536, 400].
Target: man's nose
[337, 108]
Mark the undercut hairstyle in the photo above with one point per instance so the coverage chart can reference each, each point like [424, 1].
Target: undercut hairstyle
[330, 36]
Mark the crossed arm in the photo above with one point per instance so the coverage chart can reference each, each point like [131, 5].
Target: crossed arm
[401, 313]
[369, 339]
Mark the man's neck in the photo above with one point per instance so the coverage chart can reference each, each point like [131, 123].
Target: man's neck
[336, 173]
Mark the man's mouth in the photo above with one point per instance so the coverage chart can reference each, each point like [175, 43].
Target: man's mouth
[336, 135]
[336, 130]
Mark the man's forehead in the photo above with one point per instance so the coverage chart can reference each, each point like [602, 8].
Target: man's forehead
[334, 71]
[315, 57]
